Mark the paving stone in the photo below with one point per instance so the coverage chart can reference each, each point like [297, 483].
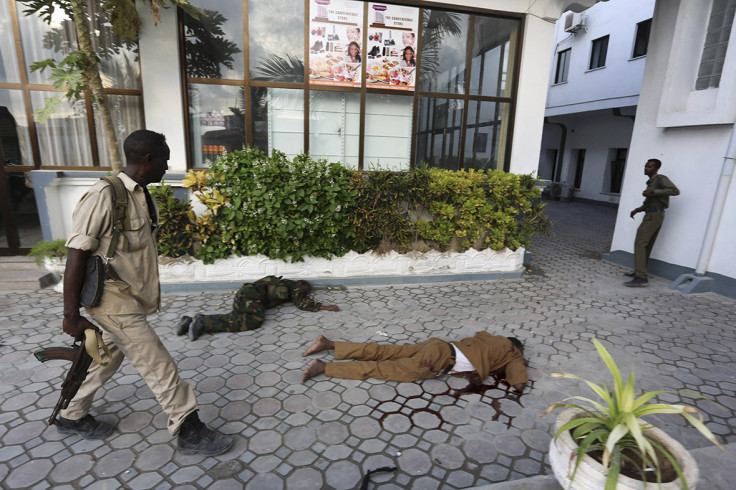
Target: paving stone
[265, 442]
[332, 432]
[447, 456]
[29, 473]
[71, 469]
[414, 462]
[343, 475]
[300, 438]
[305, 479]
[266, 481]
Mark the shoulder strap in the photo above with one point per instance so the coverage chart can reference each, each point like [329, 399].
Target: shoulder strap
[120, 217]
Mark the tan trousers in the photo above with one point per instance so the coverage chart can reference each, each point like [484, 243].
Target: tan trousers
[406, 362]
[131, 336]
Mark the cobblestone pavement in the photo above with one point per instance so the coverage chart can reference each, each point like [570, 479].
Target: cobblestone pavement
[329, 432]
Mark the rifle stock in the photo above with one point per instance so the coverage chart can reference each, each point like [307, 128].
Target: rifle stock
[77, 354]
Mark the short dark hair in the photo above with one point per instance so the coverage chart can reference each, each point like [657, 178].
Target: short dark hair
[516, 343]
[657, 163]
[141, 142]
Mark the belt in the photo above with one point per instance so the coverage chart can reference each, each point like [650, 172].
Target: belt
[452, 359]
[654, 209]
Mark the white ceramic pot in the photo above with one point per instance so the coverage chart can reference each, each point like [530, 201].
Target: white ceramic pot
[590, 474]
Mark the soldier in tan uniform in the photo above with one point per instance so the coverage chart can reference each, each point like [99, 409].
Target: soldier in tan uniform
[479, 355]
[131, 292]
[657, 199]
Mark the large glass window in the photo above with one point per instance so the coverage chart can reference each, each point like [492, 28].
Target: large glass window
[439, 123]
[334, 126]
[276, 53]
[15, 141]
[376, 85]
[64, 138]
[216, 120]
[716, 44]
[444, 51]
[8, 60]
[641, 42]
[494, 48]
[213, 43]
[388, 130]
[278, 120]
[485, 138]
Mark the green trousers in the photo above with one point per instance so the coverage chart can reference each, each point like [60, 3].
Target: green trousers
[646, 235]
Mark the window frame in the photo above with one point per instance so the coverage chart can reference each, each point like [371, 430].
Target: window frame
[598, 52]
[463, 98]
[567, 54]
[641, 37]
[26, 89]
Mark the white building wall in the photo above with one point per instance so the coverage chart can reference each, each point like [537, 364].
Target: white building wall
[615, 85]
[692, 154]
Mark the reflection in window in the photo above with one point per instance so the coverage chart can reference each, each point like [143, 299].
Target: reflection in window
[216, 121]
[439, 126]
[278, 120]
[15, 142]
[444, 48]
[334, 126]
[716, 44]
[128, 115]
[276, 53]
[42, 41]
[388, 130]
[8, 61]
[213, 43]
[494, 50]
[486, 135]
[63, 140]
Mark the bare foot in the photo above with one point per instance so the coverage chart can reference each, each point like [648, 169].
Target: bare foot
[316, 368]
[322, 343]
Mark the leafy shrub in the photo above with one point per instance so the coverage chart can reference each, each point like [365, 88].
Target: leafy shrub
[175, 223]
[258, 204]
[286, 209]
[382, 217]
[43, 249]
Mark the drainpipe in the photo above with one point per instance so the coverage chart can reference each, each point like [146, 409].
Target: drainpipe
[719, 201]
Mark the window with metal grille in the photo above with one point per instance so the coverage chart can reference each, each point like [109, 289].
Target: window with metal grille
[716, 43]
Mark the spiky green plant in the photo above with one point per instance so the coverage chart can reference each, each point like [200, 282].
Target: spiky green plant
[612, 425]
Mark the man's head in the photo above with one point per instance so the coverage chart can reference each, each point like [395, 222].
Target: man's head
[516, 343]
[652, 167]
[147, 154]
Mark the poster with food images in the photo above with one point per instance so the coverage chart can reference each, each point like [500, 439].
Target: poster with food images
[335, 42]
[391, 48]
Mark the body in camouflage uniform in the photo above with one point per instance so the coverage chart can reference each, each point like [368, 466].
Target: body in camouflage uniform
[253, 299]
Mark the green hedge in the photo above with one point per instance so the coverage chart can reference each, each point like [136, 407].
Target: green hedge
[286, 209]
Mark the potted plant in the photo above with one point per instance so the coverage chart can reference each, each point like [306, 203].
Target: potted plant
[50, 254]
[604, 443]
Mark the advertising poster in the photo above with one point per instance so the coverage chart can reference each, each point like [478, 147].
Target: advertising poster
[335, 42]
[391, 50]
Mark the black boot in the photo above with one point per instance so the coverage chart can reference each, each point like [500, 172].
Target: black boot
[87, 427]
[183, 326]
[197, 327]
[197, 438]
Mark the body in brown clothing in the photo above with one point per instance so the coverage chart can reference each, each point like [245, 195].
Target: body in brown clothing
[411, 362]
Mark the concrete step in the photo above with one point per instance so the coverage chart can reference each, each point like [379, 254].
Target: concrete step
[20, 273]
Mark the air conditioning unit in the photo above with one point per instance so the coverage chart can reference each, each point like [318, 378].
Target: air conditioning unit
[574, 22]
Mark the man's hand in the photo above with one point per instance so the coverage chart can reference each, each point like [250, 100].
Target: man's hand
[633, 213]
[519, 387]
[329, 307]
[76, 325]
[648, 192]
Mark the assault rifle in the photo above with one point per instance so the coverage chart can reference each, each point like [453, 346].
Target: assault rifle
[80, 359]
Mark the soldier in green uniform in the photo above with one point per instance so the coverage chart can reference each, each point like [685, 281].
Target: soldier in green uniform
[657, 199]
[249, 307]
